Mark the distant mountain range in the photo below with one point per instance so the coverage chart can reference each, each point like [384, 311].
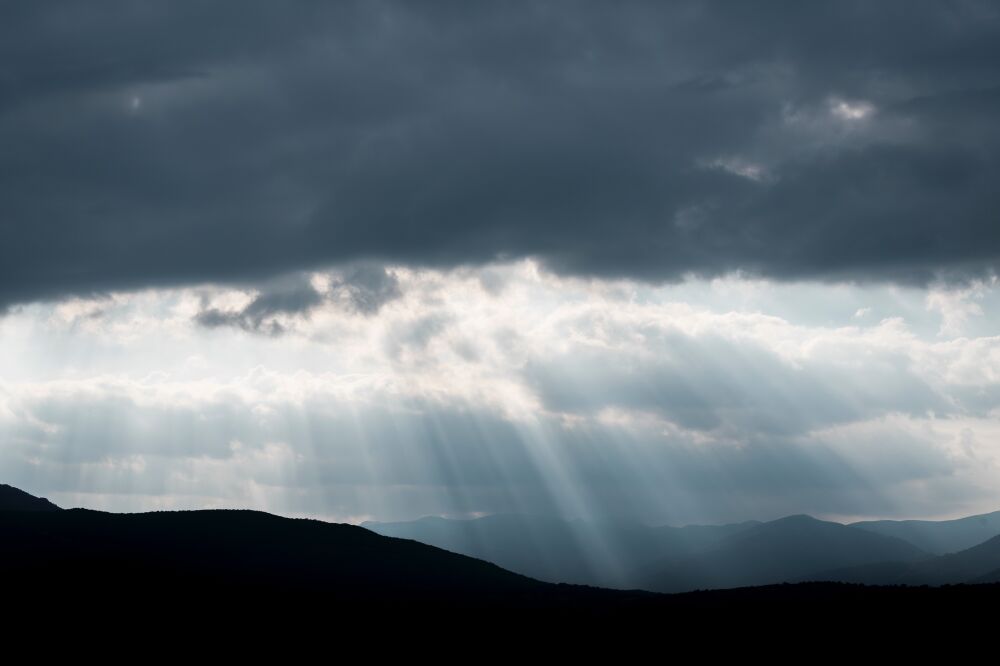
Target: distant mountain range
[606, 554]
[939, 536]
[677, 559]
[784, 550]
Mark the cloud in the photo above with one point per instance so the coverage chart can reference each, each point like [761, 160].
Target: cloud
[291, 296]
[366, 288]
[143, 150]
[737, 388]
[254, 442]
[956, 306]
[702, 401]
[360, 289]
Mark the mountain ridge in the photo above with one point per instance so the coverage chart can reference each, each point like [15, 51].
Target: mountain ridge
[791, 549]
[778, 551]
[235, 568]
[549, 548]
[939, 536]
[15, 499]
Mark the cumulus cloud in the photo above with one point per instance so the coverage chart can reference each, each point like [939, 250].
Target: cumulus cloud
[413, 134]
[957, 306]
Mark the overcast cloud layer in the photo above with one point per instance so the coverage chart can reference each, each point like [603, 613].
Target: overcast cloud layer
[674, 261]
[168, 143]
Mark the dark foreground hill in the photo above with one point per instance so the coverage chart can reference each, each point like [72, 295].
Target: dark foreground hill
[216, 570]
[172, 552]
[233, 561]
[15, 499]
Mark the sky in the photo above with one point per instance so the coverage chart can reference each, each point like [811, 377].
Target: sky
[668, 262]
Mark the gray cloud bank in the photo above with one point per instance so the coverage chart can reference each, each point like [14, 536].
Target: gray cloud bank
[155, 143]
[360, 289]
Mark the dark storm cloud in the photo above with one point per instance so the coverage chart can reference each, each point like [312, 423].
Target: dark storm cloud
[365, 289]
[291, 295]
[154, 143]
[362, 289]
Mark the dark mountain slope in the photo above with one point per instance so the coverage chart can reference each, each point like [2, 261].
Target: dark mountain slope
[939, 537]
[965, 566]
[991, 577]
[14, 499]
[782, 550]
[243, 560]
[238, 579]
[232, 548]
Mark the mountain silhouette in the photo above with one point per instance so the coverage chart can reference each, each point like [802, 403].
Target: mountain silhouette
[243, 559]
[784, 550]
[601, 553]
[235, 545]
[15, 499]
[241, 576]
[939, 536]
